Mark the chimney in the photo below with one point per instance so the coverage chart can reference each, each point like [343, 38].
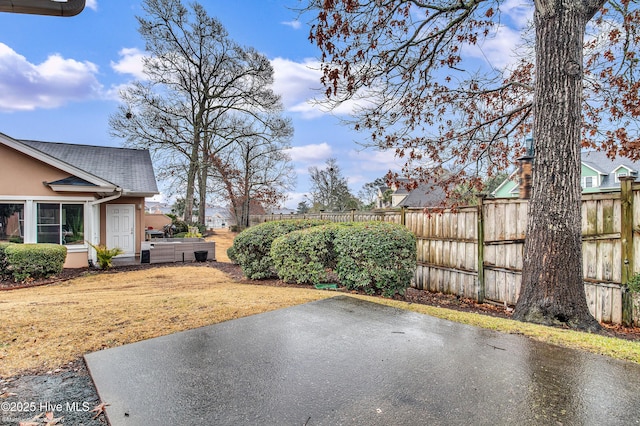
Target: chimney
[526, 171]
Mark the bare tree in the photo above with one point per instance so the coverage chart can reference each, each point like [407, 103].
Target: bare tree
[329, 189]
[256, 169]
[195, 76]
[405, 61]
[370, 191]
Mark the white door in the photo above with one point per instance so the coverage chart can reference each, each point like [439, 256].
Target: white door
[121, 227]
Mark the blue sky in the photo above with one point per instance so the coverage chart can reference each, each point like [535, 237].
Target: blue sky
[59, 78]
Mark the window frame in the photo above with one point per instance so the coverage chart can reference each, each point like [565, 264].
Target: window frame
[60, 222]
[21, 219]
[591, 180]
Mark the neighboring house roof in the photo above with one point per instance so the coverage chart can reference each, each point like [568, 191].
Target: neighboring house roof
[596, 161]
[283, 210]
[425, 195]
[599, 162]
[129, 169]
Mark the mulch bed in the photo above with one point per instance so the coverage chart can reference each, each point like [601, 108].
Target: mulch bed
[412, 295]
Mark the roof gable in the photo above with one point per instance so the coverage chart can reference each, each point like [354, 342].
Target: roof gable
[106, 168]
[599, 161]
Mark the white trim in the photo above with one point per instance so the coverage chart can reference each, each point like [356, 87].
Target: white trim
[77, 188]
[594, 182]
[505, 182]
[31, 219]
[598, 176]
[22, 199]
[616, 175]
[47, 159]
[628, 169]
[31, 216]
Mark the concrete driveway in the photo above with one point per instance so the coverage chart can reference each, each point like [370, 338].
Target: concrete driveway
[344, 361]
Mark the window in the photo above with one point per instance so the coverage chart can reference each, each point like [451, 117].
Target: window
[587, 182]
[60, 223]
[12, 223]
[619, 175]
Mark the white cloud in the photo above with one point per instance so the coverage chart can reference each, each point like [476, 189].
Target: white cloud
[498, 48]
[297, 83]
[131, 62]
[310, 154]
[113, 93]
[520, 12]
[92, 4]
[302, 92]
[293, 24]
[295, 198]
[55, 82]
[376, 161]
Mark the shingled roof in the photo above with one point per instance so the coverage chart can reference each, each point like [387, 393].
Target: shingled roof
[599, 162]
[129, 169]
[425, 195]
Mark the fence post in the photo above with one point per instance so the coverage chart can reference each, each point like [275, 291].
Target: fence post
[403, 216]
[481, 289]
[626, 240]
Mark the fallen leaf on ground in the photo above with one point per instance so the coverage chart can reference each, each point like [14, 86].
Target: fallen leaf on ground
[99, 409]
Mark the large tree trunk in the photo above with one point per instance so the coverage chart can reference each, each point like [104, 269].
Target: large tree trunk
[202, 192]
[192, 173]
[552, 289]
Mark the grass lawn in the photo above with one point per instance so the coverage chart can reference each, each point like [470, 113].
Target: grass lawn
[43, 328]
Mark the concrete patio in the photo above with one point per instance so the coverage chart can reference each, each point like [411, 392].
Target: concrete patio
[347, 361]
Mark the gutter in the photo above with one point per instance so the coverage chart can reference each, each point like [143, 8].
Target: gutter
[110, 198]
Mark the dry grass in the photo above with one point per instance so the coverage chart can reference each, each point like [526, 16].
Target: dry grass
[223, 239]
[44, 328]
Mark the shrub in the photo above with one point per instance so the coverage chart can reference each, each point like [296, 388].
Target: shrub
[633, 284]
[105, 255]
[231, 253]
[194, 232]
[304, 256]
[252, 247]
[376, 257]
[4, 264]
[35, 260]
[178, 225]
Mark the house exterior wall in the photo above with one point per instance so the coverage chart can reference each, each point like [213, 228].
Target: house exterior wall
[139, 219]
[588, 172]
[16, 166]
[508, 189]
[23, 176]
[26, 175]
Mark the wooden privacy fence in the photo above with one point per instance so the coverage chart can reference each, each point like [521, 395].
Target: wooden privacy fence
[451, 245]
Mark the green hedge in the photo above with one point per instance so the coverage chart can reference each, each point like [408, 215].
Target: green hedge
[304, 256]
[251, 248]
[376, 257]
[34, 260]
[4, 264]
